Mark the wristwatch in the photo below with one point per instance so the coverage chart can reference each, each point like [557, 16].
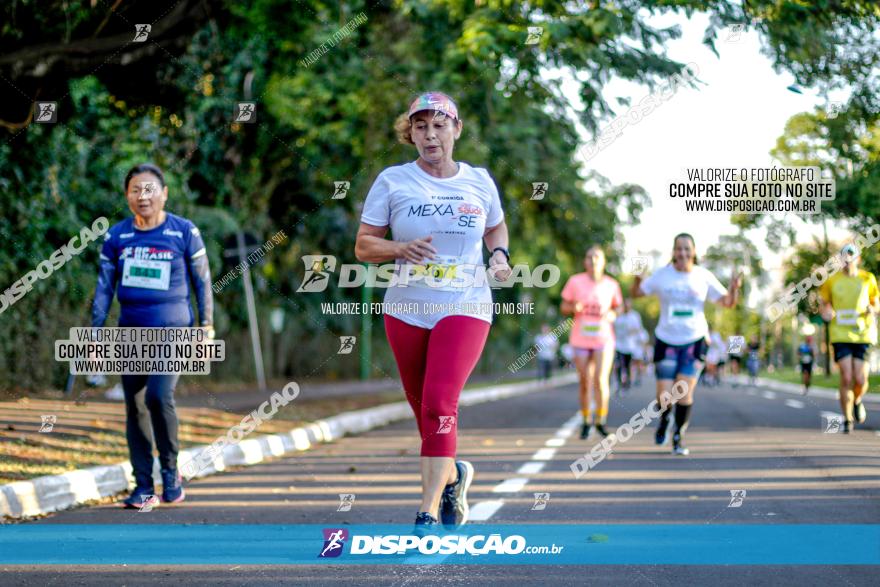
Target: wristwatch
[503, 250]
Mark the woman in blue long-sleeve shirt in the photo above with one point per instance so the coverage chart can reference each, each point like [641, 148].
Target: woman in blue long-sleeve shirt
[149, 261]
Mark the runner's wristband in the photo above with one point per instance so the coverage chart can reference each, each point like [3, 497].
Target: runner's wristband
[503, 250]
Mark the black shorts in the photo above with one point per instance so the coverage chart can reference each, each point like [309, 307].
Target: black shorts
[807, 367]
[856, 350]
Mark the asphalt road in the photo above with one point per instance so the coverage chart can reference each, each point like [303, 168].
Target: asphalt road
[769, 444]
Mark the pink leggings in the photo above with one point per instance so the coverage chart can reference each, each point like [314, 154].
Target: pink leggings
[434, 365]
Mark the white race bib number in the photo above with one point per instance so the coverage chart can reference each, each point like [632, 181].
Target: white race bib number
[590, 328]
[679, 314]
[146, 274]
[441, 274]
[847, 318]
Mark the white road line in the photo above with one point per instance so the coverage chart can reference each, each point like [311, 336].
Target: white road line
[485, 510]
[769, 395]
[530, 468]
[793, 403]
[544, 454]
[511, 485]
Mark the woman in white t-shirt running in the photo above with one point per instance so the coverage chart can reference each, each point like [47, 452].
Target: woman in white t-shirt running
[627, 328]
[680, 348]
[438, 311]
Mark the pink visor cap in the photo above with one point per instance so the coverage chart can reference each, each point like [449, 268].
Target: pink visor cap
[434, 101]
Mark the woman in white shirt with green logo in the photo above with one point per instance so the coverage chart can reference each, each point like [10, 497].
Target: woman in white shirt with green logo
[680, 349]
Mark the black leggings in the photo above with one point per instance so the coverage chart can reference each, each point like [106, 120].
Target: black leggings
[150, 412]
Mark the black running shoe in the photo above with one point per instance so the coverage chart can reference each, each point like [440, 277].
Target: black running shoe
[847, 426]
[860, 413]
[660, 435]
[425, 524]
[585, 431]
[600, 428]
[677, 447]
[453, 502]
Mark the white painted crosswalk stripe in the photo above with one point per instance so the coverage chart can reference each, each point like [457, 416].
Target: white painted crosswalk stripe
[530, 468]
[484, 510]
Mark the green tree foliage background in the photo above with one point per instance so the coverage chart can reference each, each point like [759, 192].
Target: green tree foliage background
[170, 100]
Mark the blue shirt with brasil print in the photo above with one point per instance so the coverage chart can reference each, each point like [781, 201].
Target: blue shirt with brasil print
[151, 269]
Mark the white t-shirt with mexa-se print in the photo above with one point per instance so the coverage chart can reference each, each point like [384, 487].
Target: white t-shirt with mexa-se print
[455, 211]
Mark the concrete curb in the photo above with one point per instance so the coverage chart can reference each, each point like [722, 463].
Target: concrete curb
[772, 384]
[58, 492]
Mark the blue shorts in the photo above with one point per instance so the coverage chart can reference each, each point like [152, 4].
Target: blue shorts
[671, 360]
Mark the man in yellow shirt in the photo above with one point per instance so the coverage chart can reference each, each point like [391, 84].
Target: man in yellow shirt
[850, 302]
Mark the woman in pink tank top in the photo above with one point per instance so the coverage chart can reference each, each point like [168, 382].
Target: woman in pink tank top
[593, 299]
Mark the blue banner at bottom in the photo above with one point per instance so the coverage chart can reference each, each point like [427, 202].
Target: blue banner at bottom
[492, 544]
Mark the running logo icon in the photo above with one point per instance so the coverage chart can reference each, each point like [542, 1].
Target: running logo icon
[48, 422]
[541, 500]
[318, 269]
[734, 33]
[831, 423]
[245, 112]
[535, 34]
[340, 190]
[150, 502]
[447, 423]
[638, 264]
[539, 190]
[346, 345]
[148, 189]
[735, 344]
[141, 32]
[736, 498]
[346, 500]
[46, 112]
[834, 108]
[334, 540]
[440, 107]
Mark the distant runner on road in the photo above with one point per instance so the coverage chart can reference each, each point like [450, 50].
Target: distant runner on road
[753, 359]
[683, 288]
[806, 358]
[627, 330]
[148, 261]
[547, 344]
[715, 358]
[593, 299]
